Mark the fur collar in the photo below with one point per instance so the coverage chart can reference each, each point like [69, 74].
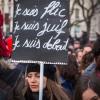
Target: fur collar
[6, 64]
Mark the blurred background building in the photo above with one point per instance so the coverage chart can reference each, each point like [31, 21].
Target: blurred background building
[76, 16]
[95, 24]
[83, 12]
[6, 7]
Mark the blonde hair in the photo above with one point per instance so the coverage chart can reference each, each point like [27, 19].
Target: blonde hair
[55, 90]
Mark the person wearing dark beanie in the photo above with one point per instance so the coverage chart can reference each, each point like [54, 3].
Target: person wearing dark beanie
[49, 70]
[51, 90]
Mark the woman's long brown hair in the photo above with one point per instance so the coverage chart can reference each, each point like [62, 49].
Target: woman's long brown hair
[56, 91]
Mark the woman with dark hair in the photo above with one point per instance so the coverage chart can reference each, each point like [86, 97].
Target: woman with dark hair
[69, 75]
[87, 88]
[51, 89]
[96, 53]
[87, 59]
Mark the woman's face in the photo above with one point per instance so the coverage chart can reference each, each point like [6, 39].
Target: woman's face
[33, 80]
[89, 94]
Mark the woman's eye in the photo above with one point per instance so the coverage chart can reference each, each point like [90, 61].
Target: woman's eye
[29, 76]
[95, 98]
[38, 75]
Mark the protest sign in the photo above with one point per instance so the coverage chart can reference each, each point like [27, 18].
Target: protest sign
[41, 30]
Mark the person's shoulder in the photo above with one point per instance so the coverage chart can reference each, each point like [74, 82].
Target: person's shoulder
[90, 69]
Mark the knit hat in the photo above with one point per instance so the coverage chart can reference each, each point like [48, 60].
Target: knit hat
[3, 49]
[49, 70]
[1, 19]
[1, 23]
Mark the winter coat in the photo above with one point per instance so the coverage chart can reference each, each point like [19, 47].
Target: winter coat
[35, 96]
[69, 89]
[90, 69]
[2, 94]
[9, 83]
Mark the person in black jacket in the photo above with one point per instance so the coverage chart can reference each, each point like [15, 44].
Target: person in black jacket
[51, 90]
[2, 94]
[10, 86]
[11, 83]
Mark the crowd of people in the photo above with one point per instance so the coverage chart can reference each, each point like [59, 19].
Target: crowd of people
[78, 80]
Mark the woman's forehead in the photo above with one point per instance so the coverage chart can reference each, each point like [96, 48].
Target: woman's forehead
[33, 73]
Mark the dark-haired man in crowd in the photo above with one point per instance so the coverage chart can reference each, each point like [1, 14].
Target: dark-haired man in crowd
[87, 48]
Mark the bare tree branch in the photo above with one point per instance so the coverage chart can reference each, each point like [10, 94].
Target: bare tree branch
[72, 10]
[82, 7]
[76, 22]
[87, 12]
